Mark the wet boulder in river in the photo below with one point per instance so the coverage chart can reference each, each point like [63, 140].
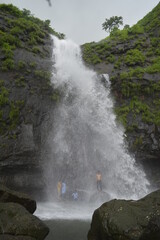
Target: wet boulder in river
[127, 219]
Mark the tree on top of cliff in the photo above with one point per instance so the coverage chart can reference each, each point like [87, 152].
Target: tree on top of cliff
[112, 23]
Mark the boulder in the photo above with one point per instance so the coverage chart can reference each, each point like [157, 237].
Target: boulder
[10, 237]
[16, 221]
[127, 219]
[100, 197]
[153, 230]
[7, 195]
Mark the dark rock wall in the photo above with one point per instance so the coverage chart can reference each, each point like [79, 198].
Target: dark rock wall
[26, 99]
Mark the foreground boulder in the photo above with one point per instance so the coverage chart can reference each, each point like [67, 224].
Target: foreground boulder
[17, 223]
[10, 237]
[127, 219]
[7, 195]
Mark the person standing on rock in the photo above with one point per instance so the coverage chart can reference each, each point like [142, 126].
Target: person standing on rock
[99, 180]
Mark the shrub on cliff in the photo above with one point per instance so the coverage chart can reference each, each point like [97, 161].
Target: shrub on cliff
[134, 57]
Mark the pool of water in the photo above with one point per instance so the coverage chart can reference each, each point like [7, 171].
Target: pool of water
[65, 229]
[66, 220]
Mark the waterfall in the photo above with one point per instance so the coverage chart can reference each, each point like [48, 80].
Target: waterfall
[85, 137]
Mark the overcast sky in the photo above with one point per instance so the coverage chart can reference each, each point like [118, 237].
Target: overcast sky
[81, 20]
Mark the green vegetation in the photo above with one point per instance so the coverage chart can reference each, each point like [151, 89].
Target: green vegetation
[94, 53]
[22, 30]
[136, 29]
[21, 65]
[10, 110]
[33, 65]
[25, 16]
[155, 67]
[134, 53]
[89, 55]
[151, 21]
[36, 50]
[111, 59]
[55, 96]
[20, 82]
[7, 64]
[138, 142]
[3, 95]
[40, 74]
[20, 33]
[134, 57]
[122, 35]
[11, 10]
[138, 107]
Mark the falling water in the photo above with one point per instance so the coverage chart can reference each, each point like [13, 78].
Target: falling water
[85, 137]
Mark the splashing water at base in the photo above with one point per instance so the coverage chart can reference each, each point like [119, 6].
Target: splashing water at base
[85, 137]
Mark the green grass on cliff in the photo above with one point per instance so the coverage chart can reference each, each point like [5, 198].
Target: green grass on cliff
[134, 54]
[23, 17]
[9, 110]
[151, 21]
[20, 33]
[20, 29]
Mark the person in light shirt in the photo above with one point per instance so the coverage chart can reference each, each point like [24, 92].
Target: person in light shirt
[75, 195]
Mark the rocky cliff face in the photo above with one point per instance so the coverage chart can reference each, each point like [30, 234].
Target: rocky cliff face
[26, 96]
[132, 59]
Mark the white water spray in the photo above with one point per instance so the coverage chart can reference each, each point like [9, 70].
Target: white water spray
[85, 137]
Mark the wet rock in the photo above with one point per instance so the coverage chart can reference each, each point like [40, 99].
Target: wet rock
[153, 229]
[150, 77]
[10, 237]
[7, 195]
[17, 221]
[127, 219]
[100, 197]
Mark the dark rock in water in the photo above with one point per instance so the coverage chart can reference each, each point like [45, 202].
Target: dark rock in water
[17, 221]
[10, 237]
[127, 219]
[7, 195]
